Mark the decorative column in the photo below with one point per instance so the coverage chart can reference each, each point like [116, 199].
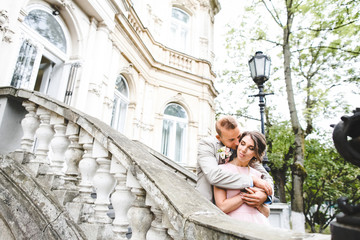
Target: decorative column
[44, 134]
[139, 214]
[121, 199]
[59, 145]
[72, 155]
[29, 125]
[157, 230]
[87, 168]
[104, 184]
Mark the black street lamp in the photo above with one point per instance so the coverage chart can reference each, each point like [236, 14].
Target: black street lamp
[260, 72]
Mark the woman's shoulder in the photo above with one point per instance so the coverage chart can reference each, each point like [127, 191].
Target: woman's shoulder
[228, 166]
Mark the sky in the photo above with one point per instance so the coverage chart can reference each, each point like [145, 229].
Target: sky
[230, 11]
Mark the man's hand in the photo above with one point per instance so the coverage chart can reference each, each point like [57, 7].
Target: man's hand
[255, 197]
[260, 183]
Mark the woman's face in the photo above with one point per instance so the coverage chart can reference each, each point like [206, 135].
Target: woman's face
[246, 150]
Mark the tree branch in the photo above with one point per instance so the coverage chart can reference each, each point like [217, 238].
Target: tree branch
[329, 47]
[329, 29]
[274, 16]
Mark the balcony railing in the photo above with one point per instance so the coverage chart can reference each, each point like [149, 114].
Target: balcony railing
[106, 181]
[168, 56]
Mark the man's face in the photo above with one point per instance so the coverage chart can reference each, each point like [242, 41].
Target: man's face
[229, 137]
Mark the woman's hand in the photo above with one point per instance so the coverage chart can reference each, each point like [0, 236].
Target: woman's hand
[255, 197]
[260, 183]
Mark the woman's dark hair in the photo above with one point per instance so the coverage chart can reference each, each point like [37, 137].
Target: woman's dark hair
[259, 144]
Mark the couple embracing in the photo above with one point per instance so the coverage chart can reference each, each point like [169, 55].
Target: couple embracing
[230, 172]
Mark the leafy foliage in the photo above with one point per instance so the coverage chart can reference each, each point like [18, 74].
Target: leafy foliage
[329, 178]
[280, 152]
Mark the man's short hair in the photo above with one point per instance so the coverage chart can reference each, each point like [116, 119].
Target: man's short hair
[227, 122]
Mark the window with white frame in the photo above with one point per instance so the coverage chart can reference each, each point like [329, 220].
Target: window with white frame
[121, 102]
[174, 131]
[180, 30]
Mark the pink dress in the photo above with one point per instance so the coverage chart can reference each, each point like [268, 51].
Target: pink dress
[244, 212]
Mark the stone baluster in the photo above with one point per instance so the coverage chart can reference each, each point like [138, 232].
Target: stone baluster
[59, 145]
[87, 168]
[29, 125]
[139, 214]
[121, 199]
[72, 155]
[157, 230]
[44, 134]
[104, 184]
[172, 232]
[66, 186]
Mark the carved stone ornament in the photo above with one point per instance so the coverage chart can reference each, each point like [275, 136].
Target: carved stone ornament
[4, 20]
[6, 33]
[68, 4]
[189, 4]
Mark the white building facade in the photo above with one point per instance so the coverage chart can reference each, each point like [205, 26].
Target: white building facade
[143, 67]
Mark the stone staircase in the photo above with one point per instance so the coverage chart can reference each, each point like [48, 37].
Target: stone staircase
[67, 175]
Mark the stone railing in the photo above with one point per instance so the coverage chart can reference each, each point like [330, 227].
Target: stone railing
[112, 187]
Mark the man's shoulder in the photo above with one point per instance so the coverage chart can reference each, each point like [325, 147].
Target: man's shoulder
[209, 139]
[209, 142]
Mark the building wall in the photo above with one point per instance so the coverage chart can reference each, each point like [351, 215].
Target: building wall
[108, 38]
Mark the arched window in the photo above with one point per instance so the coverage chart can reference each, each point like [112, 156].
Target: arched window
[40, 64]
[180, 30]
[47, 26]
[174, 132]
[121, 102]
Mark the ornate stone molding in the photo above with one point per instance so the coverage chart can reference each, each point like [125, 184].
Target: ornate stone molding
[4, 20]
[6, 32]
[141, 125]
[204, 4]
[189, 4]
[128, 69]
[67, 3]
[95, 89]
[179, 98]
[108, 102]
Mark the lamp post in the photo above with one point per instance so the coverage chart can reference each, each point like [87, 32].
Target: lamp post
[260, 71]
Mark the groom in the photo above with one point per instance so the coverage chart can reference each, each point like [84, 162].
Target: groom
[213, 151]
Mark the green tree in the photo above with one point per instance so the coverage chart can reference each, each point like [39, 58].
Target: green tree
[280, 150]
[329, 178]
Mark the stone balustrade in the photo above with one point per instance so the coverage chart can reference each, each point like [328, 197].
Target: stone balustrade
[112, 187]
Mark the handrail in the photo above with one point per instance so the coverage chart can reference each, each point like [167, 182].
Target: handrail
[189, 176]
[188, 214]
